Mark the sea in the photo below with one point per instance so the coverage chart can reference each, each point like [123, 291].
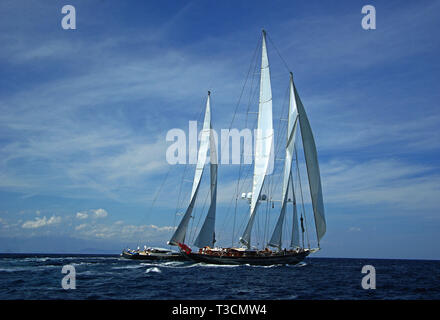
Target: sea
[106, 277]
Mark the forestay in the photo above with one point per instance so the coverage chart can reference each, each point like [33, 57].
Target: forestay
[206, 236]
[264, 141]
[276, 238]
[179, 234]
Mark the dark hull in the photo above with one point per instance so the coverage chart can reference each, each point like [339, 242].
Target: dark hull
[289, 258]
[154, 256]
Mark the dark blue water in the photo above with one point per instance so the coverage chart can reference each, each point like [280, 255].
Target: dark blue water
[111, 277]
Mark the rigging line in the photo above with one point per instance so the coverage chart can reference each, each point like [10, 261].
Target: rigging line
[179, 203]
[179, 195]
[208, 195]
[266, 227]
[257, 231]
[296, 188]
[284, 226]
[240, 188]
[160, 189]
[153, 200]
[244, 85]
[179, 199]
[278, 146]
[269, 185]
[283, 126]
[243, 181]
[239, 100]
[293, 210]
[254, 65]
[193, 232]
[193, 214]
[302, 198]
[253, 92]
[279, 54]
[196, 208]
[244, 216]
[157, 193]
[291, 230]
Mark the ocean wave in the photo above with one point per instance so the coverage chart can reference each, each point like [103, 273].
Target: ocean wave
[301, 264]
[154, 269]
[128, 267]
[211, 265]
[28, 269]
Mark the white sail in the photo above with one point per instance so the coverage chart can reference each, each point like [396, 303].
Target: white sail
[264, 141]
[276, 238]
[313, 173]
[206, 236]
[179, 234]
[294, 243]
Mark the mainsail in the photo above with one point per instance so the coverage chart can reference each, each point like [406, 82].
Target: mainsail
[179, 234]
[276, 238]
[264, 141]
[206, 236]
[314, 176]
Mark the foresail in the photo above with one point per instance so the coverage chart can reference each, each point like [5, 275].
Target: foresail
[179, 234]
[313, 173]
[276, 238]
[294, 243]
[206, 236]
[264, 141]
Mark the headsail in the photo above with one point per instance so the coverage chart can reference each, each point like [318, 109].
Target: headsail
[294, 243]
[179, 234]
[276, 238]
[264, 140]
[313, 173]
[206, 236]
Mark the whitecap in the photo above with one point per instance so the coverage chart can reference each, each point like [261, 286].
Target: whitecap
[154, 269]
[209, 265]
[301, 264]
[128, 267]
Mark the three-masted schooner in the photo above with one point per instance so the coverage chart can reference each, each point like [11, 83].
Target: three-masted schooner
[263, 147]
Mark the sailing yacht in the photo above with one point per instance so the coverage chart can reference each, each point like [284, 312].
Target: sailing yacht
[246, 254]
[206, 236]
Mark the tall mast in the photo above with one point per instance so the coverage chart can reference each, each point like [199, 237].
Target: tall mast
[264, 141]
[179, 234]
[276, 238]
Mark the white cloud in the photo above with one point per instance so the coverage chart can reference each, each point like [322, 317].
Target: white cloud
[41, 222]
[390, 182]
[81, 215]
[81, 226]
[122, 232]
[160, 229]
[100, 213]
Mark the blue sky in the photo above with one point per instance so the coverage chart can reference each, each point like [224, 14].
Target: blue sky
[84, 114]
